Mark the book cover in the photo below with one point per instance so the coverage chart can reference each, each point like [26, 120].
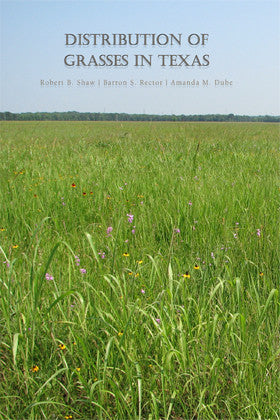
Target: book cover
[139, 196]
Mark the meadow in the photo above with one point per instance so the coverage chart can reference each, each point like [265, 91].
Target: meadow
[139, 270]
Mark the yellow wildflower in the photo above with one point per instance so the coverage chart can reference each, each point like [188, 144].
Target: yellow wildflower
[62, 346]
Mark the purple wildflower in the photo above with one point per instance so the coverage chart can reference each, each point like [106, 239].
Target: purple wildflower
[158, 320]
[258, 232]
[130, 218]
[49, 276]
[83, 270]
[143, 291]
[177, 230]
[190, 203]
[109, 230]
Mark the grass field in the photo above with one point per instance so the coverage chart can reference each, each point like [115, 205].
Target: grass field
[139, 271]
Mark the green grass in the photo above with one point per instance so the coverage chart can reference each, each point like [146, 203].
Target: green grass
[204, 346]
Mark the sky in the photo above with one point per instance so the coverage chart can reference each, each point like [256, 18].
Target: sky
[243, 48]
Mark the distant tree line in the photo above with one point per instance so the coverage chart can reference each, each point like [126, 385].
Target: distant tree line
[103, 116]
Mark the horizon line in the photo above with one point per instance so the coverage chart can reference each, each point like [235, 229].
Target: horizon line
[141, 113]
